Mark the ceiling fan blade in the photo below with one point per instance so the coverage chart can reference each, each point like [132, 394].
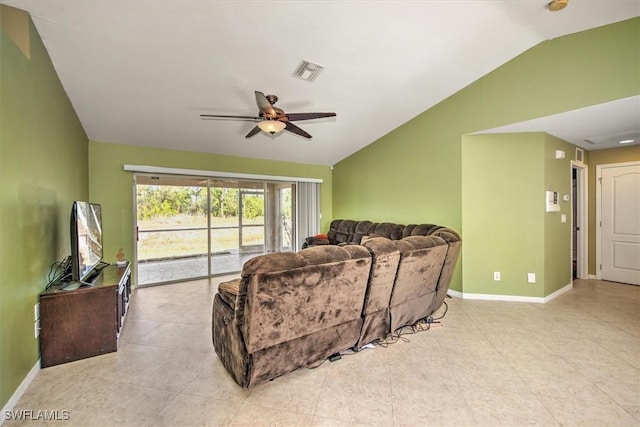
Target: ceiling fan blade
[307, 116]
[253, 132]
[295, 129]
[264, 105]
[220, 116]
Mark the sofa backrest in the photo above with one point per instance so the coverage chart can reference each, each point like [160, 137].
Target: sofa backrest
[386, 229]
[385, 257]
[421, 261]
[361, 229]
[290, 295]
[454, 247]
[341, 231]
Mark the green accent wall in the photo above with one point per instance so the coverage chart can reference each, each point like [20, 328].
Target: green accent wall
[414, 173]
[507, 229]
[503, 219]
[603, 157]
[43, 168]
[112, 186]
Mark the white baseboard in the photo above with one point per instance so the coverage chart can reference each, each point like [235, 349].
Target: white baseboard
[20, 390]
[456, 294]
[593, 277]
[512, 298]
[559, 292]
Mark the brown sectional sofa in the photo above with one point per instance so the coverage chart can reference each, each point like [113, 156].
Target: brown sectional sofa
[290, 310]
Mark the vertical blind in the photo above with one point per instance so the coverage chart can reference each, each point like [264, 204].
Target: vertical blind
[308, 206]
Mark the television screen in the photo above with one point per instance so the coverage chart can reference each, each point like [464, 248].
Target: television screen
[86, 239]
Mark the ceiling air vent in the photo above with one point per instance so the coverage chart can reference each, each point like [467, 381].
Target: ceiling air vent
[307, 71]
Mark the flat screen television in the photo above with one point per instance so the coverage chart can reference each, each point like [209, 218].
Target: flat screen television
[86, 240]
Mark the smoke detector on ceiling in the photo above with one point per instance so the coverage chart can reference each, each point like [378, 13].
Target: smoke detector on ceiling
[556, 5]
[307, 71]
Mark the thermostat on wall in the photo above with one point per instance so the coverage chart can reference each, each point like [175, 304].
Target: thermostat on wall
[553, 204]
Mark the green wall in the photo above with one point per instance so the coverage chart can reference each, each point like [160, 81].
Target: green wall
[603, 157]
[557, 235]
[503, 219]
[43, 168]
[111, 186]
[414, 173]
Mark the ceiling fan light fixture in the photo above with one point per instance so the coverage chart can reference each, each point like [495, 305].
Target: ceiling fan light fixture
[271, 126]
[556, 5]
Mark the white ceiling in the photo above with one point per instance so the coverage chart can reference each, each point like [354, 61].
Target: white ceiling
[141, 72]
[592, 128]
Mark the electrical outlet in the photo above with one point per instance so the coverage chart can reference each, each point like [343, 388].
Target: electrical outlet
[496, 276]
[531, 277]
[36, 329]
[36, 312]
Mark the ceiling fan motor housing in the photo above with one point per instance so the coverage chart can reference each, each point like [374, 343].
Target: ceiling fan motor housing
[555, 5]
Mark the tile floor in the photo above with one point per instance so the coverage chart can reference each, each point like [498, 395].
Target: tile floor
[574, 361]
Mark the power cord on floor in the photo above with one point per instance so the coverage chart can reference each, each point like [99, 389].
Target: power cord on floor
[399, 334]
[333, 358]
[421, 325]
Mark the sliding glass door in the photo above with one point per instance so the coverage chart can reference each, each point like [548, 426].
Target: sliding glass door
[237, 224]
[171, 228]
[193, 227]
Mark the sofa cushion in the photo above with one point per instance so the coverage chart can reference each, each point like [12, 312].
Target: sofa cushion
[387, 229]
[333, 230]
[324, 254]
[361, 229]
[277, 261]
[424, 229]
[345, 230]
[406, 231]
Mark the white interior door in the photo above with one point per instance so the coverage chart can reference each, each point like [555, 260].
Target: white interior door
[620, 223]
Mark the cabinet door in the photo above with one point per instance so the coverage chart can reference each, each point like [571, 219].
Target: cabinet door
[77, 324]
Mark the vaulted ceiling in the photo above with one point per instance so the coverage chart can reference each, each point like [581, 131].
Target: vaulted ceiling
[142, 71]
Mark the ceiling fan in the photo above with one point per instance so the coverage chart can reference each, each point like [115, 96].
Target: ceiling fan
[272, 119]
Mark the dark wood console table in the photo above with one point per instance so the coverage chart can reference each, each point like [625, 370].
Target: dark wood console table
[84, 322]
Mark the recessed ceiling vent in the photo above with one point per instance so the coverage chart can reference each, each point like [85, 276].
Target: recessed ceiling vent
[307, 71]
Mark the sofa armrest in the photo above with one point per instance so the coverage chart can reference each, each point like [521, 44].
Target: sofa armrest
[316, 241]
[228, 291]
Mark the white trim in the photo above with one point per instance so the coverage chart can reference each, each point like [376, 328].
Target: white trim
[456, 294]
[583, 220]
[20, 391]
[592, 277]
[134, 237]
[496, 297]
[559, 292]
[599, 210]
[215, 174]
[511, 298]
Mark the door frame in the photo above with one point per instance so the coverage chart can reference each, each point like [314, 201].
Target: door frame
[582, 219]
[599, 169]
